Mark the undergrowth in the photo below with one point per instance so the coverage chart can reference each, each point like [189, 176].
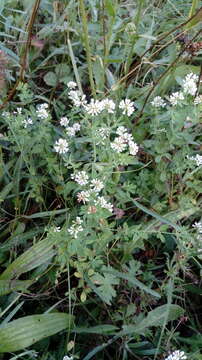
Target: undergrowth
[100, 173]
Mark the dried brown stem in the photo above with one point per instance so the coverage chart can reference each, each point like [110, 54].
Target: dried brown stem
[23, 61]
[165, 72]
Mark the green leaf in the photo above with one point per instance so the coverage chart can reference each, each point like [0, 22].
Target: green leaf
[36, 255]
[110, 6]
[50, 78]
[133, 281]
[155, 318]
[45, 214]
[5, 191]
[99, 329]
[155, 215]
[197, 18]
[7, 286]
[23, 332]
[104, 288]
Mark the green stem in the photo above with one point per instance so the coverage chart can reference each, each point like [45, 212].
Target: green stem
[87, 45]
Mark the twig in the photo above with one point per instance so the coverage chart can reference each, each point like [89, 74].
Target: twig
[23, 61]
[165, 72]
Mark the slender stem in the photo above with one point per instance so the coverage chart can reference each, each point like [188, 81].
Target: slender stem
[29, 39]
[87, 45]
[26, 50]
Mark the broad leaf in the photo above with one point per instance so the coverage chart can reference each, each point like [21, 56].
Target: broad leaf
[7, 286]
[23, 332]
[36, 255]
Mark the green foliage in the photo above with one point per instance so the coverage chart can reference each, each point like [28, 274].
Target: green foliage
[23, 332]
[100, 202]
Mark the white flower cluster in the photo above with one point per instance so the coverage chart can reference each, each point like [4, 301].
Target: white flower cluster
[64, 121]
[77, 98]
[198, 226]
[197, 159]
[57, 229]
[27, 122]
[66, 357]
[95, 186]
[72, 130]
[127, 107]
[123, 141]
[95, 107]
[80, 177]
[189, 84]
[176, 97]
[71, 85]
[76, 227]
[108, 105]
[158, 102]
[19, 111]
[61, 146]
[177, 355]
[101, 201]
[198, 100]
[189, 87]
[41, 111]
[83, 196]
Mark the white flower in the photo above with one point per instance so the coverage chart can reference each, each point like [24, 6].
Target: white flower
[94, 107]
[76, 227]
[176, 97]
[133, 148]
[101, 201]
[81, 178]
[77, 98]
[19, 110]
[5, 114]
[198, 226]
[41, 111]
[96, 185]
[71, 130]
[64, 121]
[27, 122]
[177, 355]
[121, 130]
[77, 127]
[71, 85]
[61, 146]
[108, 105]
[57, 229]
[158, 102]
[127, 107]
[198, 100]
[189, 84]
[68, 357]
[78, 221]
[83, 196]
[119, 145]
[197, 158]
